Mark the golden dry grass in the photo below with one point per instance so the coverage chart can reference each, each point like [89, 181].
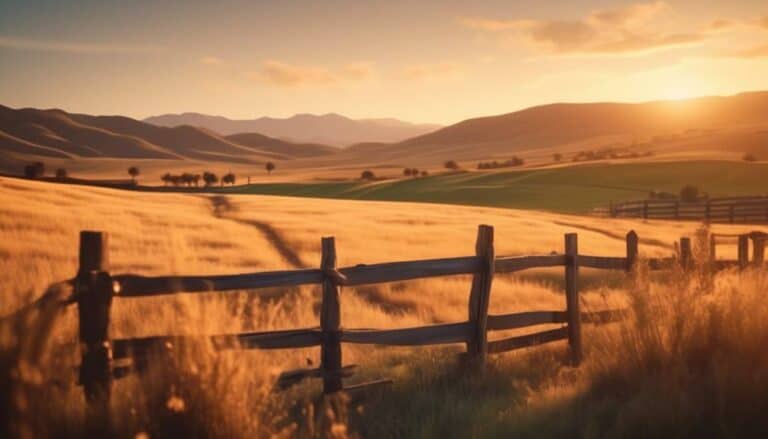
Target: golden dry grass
[195, 234]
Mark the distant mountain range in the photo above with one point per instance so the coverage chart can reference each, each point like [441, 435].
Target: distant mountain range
[734, 125]
[330, 129]
[58, 134]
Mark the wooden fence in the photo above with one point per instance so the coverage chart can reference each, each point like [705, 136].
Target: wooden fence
[748, 210]
[102, 358]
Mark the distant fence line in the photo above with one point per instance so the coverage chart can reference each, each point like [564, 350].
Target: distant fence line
[750, 210]
[104, 360]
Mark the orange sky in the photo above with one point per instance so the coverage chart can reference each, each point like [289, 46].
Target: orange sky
[434, 61]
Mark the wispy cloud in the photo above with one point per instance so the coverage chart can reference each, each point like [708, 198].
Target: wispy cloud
[71, 47]
[431, 71]
[721, 24]
[211, 60]
[626, 29]
[357, 70]
[283, 74]
[752, 52]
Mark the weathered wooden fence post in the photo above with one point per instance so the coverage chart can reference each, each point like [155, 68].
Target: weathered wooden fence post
[686, 253]
[330, 320]
[758, 250]
[677, 210]
[572, 296]
[479, 297]
[645, 209]
[632, 250]
[743, 251]
[94, 299]
[707, 211]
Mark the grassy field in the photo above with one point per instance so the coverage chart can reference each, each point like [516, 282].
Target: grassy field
[648, 376]
[569, 189]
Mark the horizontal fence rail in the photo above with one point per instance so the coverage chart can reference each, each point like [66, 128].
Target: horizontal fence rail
[715, 210]
[103, 359]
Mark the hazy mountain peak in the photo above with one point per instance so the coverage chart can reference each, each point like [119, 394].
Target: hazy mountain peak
[329, 128]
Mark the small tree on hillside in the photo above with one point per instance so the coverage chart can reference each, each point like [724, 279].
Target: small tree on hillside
[557, 157]
[166, 179]
[35, 170]
[196, 180]
[133, 171]
[424, 173]
[749, 157]
[229, 178]
[61, 174]
[269, 167]
[367, 175]
[451, 164]
[186, 178]
[407, 172]
[209, 178]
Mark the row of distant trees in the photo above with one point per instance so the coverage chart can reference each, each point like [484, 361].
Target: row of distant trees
[37, 170]
[414, 172]
[514, 161]
[188, 179]
[207, 178]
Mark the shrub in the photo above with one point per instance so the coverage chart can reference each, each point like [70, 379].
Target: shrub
[451, 164]
[61, 173]
[35, 170]
[269, 167]
[748, 157]
[557, 157]
[689, 193]
[367, 175]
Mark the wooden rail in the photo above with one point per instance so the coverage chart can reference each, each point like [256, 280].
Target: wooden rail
[750, 210]
[95, 288]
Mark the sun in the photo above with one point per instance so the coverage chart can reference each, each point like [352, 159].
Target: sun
[678, 94]
[679, 87]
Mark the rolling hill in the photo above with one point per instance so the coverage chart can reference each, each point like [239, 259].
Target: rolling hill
[31, 134]
[566, 189]
[270, 144]
[735, 123]
[330, 129]
[574, 122]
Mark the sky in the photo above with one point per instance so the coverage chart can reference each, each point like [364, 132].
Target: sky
[421, 61]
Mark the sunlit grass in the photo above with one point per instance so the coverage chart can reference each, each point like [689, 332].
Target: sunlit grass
[204, 392]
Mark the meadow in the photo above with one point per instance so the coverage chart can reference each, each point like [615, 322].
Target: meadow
[680, 359]
[567, 189]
